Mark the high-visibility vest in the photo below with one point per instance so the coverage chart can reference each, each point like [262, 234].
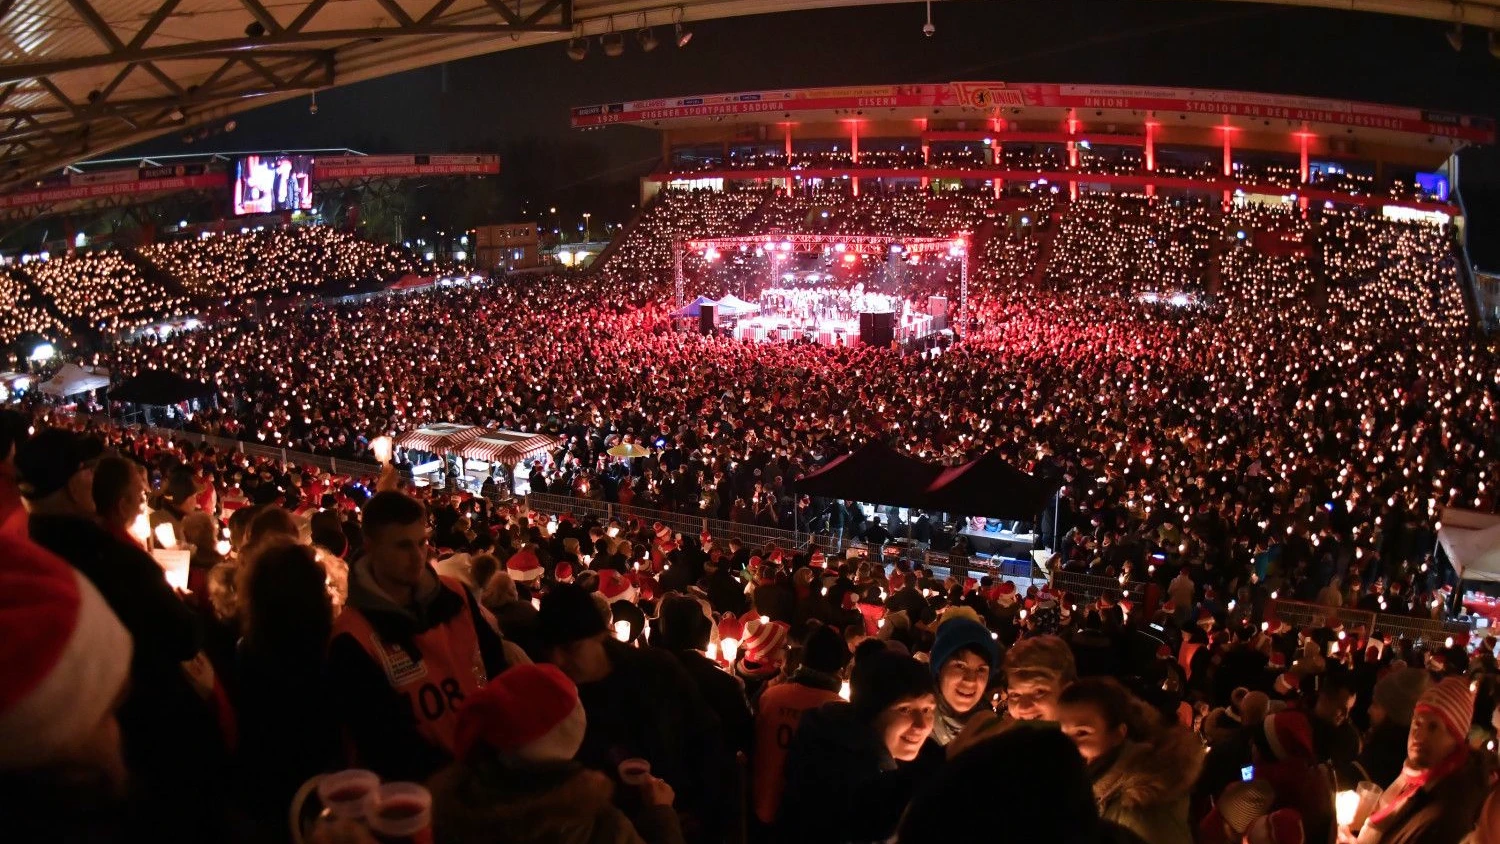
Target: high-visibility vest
[447, 667]
[781, 708]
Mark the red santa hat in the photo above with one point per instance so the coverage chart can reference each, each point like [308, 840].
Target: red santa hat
[523, 566]
[1205, 618]
[662, 532]
[64, 657]
[530, 712]
[1278, 660]
[614, 586]
[1170, 607]
[563, 573]
[849, 601]
[1289, 735]
[763, 643]
[818, 560]
[1285, 683]
[730, 627]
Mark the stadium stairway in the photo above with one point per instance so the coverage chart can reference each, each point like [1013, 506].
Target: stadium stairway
[1046, 242]
[621, 236]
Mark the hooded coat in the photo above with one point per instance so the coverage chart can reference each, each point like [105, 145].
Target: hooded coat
[1145, 786]
[539, 803]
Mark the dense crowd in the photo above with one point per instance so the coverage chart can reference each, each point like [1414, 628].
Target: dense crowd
[514, 675]
[280, 262]
[1291, 426]
[113, 292]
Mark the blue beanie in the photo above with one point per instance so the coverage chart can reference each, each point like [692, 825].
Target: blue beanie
[957, 633]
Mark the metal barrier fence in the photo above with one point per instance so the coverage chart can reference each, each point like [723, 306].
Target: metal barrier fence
[326, 462]
[1093, 586]
[1303, 614]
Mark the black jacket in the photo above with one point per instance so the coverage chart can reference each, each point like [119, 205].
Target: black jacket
[649, 707]
[725, 695]
[842, 784]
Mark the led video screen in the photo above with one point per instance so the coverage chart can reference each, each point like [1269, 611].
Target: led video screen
[264, 184]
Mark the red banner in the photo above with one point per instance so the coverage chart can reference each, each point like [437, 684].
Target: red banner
[64, 193]
[405, 165]
[984, 96]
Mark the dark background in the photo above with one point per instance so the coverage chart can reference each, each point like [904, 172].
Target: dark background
[516, 102]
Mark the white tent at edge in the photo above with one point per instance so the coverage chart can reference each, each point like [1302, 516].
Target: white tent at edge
[73, 379]
[1471, 540]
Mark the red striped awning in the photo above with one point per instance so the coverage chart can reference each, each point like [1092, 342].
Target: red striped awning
[438, 437]
[508, 447]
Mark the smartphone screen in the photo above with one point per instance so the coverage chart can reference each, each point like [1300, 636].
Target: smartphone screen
[1247, 773]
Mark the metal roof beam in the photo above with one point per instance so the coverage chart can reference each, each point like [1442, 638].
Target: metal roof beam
[234, 46]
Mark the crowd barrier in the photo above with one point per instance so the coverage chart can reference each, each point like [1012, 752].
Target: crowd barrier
[288, 457]
[1304, 614]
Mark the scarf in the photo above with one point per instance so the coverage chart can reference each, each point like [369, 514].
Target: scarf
[1411, 781]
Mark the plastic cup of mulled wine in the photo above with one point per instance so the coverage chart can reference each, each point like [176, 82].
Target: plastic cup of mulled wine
[349, 795]
[635, 771]
[403, 814]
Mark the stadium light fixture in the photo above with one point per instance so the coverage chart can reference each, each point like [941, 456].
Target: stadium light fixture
[613, 44]
[927, 28]
[578, 46]
[1455, 37]
[646, 36]
[681, 34]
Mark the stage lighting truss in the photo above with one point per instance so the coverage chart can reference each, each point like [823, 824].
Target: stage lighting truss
[871, 245]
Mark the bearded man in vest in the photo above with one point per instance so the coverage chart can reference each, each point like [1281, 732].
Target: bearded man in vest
[408, 648]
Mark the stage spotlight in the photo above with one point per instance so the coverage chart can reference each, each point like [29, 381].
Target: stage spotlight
[255, 30]
[230, 126]
[683, 36]
[1455, 37]
[646, 37]
[177, 115]
[578, 49]
[613, 44]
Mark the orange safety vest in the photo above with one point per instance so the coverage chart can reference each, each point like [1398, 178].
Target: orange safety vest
[448, 668]
[781, 709]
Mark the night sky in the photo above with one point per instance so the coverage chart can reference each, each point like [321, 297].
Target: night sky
[516, 102]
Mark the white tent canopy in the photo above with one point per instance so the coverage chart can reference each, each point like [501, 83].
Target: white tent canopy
[1472, 542]
[73, 379]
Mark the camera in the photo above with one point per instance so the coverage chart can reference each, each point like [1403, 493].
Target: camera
[928, 29]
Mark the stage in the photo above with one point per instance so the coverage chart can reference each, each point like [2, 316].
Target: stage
[827, 331]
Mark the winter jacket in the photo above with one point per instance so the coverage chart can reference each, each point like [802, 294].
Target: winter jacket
[725, 695]
[491, 802]
[842, 785]
[649, 707]
[1442, 812]
[1145, 786]
[780, 712]
[1384, 753]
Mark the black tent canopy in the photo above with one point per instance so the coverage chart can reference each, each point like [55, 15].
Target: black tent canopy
[875, 473]
[988, 486]
[159, 387]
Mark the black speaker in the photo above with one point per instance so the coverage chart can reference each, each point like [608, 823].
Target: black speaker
[708, 318]
[877, 329]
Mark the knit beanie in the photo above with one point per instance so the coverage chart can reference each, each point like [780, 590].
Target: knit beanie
[1243, 802]
[64, 657]
[528, 711]
[1397, 693]
[568, 614]
[881, 678]
[825, 650]
[1452, 702]
[955, 634]
[1283, 826]
[1288, 735]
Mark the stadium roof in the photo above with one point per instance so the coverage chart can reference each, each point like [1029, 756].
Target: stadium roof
[79, 78]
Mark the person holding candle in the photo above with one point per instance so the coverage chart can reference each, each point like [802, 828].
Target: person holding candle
[1444, 783]
[166, 726]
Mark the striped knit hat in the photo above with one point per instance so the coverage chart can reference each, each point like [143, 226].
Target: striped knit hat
[1451, 701]
[1243, 802]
